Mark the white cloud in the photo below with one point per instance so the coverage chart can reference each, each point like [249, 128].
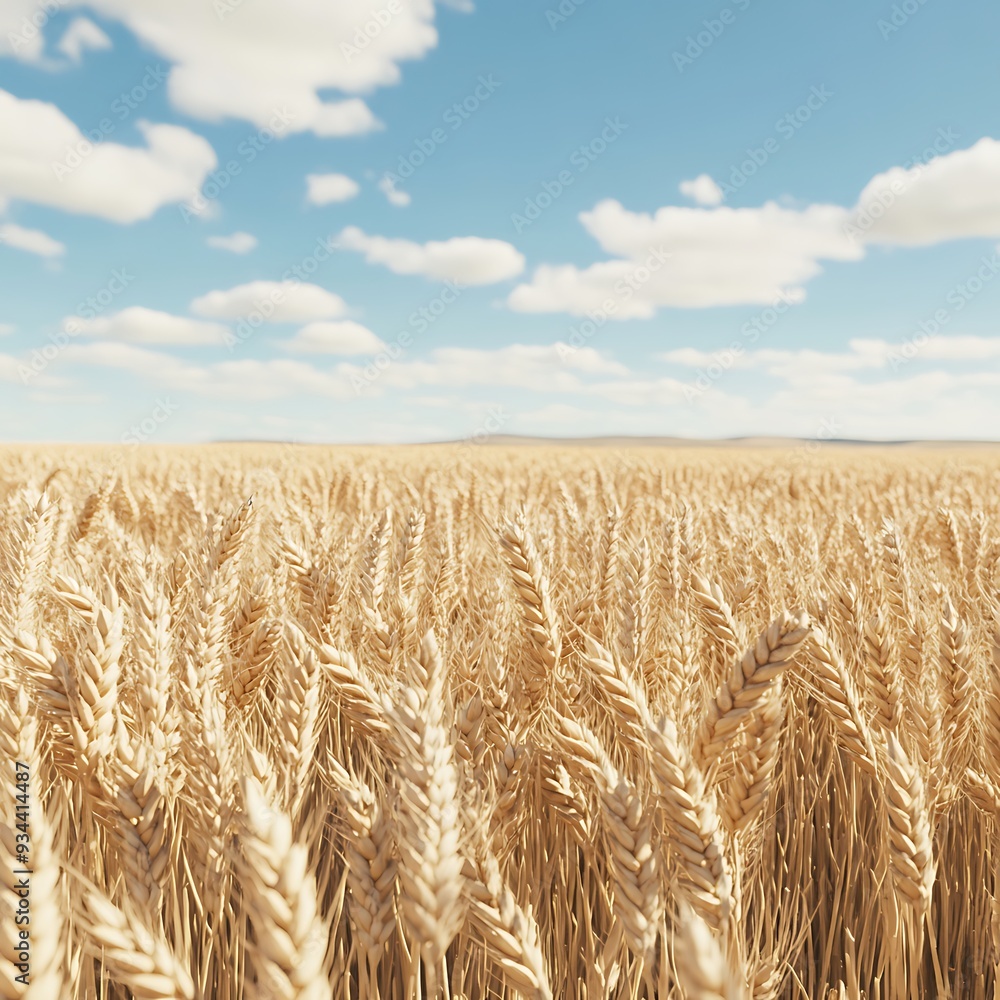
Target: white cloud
[702, 190]
[324, 189]
[275, 301]
[951, 197]
[751, 256]
[81, 35]
[30, 240]
[115, 182]
[235, 243]
[6, 329]
[243, 379]
[853, 392]
[871, 390]
[927, 404]
[157, 366]
[542, 367]
[64, 398]
[562, 414]
[470, 260]
[138, 325]
[395, 197]
[246, 58]
[14, 370]
[960, 348]
[691, 258]
[806, 364]
[22, 24]
[654, 392]
[340, 337]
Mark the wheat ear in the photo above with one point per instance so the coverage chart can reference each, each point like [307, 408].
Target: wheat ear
[911, 852]
[134, 956]
[839, 696]
[703, 971]
[289, 937]
[749, 682]
[535, 606]
[510, 932]
[428, 821]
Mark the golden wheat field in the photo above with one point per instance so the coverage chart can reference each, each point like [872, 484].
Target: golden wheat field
[486, 722]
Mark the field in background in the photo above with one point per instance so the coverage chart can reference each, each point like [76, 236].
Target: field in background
[502, 722]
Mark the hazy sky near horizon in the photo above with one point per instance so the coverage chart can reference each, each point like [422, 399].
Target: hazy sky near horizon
[395, 220]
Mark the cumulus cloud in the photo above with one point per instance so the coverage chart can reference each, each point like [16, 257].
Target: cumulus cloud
[22, 29]
[951, 197]
[324, 189]
[394, 196]
[81, 35]
[275, 301]
[242, 59]
[243, 379]
[545, 368]
[871, 389]
[9, 368]
[235, 243]
[138, 325]
[839, 393]
[341, 337]
[862, 353]
[30, 240]
[108, 180]
[702, 190]
[926, 405]
[960, 348]
[542, 367]
[466, 259]
[722, 256]
[691, 258]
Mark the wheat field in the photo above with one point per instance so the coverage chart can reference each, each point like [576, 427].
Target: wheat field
[486, 722]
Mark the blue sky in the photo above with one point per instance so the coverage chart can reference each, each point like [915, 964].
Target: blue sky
[395, 221]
